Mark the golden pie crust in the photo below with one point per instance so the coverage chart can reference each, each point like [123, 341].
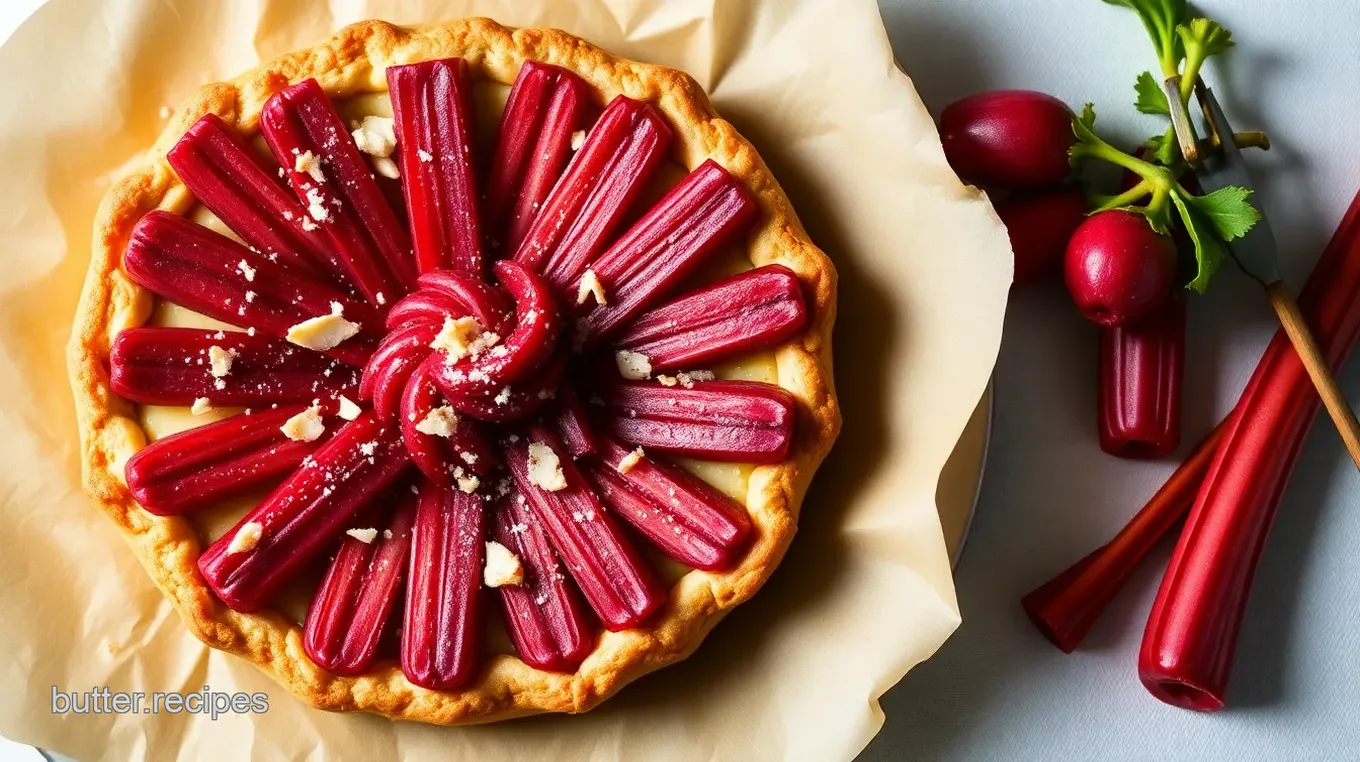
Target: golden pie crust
[351, 63]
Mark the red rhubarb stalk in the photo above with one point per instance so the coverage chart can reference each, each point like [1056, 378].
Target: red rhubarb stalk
[226, 176]
[337, 188]
[1065, 607]
[705, 212]
[302, 517]
[353, 605]
[388, 370]
[443, 611]
[573, 425]
[681, 514]
[613, 577]
[1140, 372]
[448, 449]
[544, 614]
[173, 366]
[197, 268]
[742, 314]
[620, 154]
[198, 467]
[1191, 637]
[742, 421]
[433, 122]
[547, 105]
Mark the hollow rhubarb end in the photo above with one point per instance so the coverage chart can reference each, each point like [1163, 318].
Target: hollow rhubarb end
[708, 209]
[544, 614]
[302, 517]
[443, 612]
[739, 421]
[225, 175]
[353, 606]
[433, 123]
[209, 273]
[197, 467]
[745, 313]
[620, 154]
[614, 579]
[682, 515]
[337, 188]
[174, 366]
[547, 105]
[1140, 374]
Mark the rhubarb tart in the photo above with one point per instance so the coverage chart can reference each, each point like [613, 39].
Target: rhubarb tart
[454, 373]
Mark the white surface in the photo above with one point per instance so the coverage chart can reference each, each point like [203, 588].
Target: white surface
[997, 690]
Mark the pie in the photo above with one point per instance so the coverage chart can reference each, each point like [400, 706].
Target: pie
[447, 402]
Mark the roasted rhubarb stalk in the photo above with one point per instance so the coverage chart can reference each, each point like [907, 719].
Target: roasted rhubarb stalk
[547, 105]
[742, 421]
[225, 176]
[198, 467]
[681, 514]
[543, 613]
[1065, 607]
[620, 154]
[443, 611]
[706, 211]
[434, 129]
[1140, 384]
[175, 366]
[302, 517]
[353, 605]
[209, 273]
[389, 369]
[449, 449]
[615, 580]
[1191, 635]
[337, 188]
[446, 294]
[573, 426]
[739, 315]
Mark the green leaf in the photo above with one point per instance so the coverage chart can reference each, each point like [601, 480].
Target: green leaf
[1151, 97]
[1204, 37]
[1208, 246]
[1228, 210]
[1160, 18]
[1164, 148]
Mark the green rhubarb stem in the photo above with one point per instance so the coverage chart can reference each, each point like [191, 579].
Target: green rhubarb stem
[1103, 202]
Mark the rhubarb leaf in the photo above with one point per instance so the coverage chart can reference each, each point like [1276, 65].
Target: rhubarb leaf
[1208, 248]
[1228, 210]
[1151, 98]
[1160, 18]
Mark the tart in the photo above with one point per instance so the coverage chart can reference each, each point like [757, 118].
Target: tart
[491, 408]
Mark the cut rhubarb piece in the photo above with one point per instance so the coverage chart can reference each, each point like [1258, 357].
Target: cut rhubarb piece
[741, 421]
[226, 176]
[336, 186]
[736, 316]
[353, 605]
[172, 366]
[387, 371]
[434, 128]
[302, 517]
[513, 359]
[194, 267]
[573, 425]
[443, 611]
[518, 402]
[448, 294]
[544, 615]
[706, 211]
[620, 154]
[546, 106]
[450, 450]
[1140, 384]
[198, 467]
[614, 579]
[688, 520]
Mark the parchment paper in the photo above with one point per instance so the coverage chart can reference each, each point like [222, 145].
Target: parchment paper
[864, 594]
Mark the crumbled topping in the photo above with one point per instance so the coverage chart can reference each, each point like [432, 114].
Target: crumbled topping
[502, 566]
[219, 360]
[201, 405]
[376, 136]
[463, 337]
[591, 286]
[348, 410]
[306, 426]
[630, 461]
[439, 422]
[246, 538]
[688, 380]
[246, 270]
[309, 163]
[425, 156]
[578, 139]
[366, 536]
[667, 380]
[633, 366]
[385, 167]
[545, 470]
[503, 397]
[324, 332]
[469, 483]
[316, 206]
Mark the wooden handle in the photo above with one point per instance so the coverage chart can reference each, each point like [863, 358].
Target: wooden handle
[1304, 343]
